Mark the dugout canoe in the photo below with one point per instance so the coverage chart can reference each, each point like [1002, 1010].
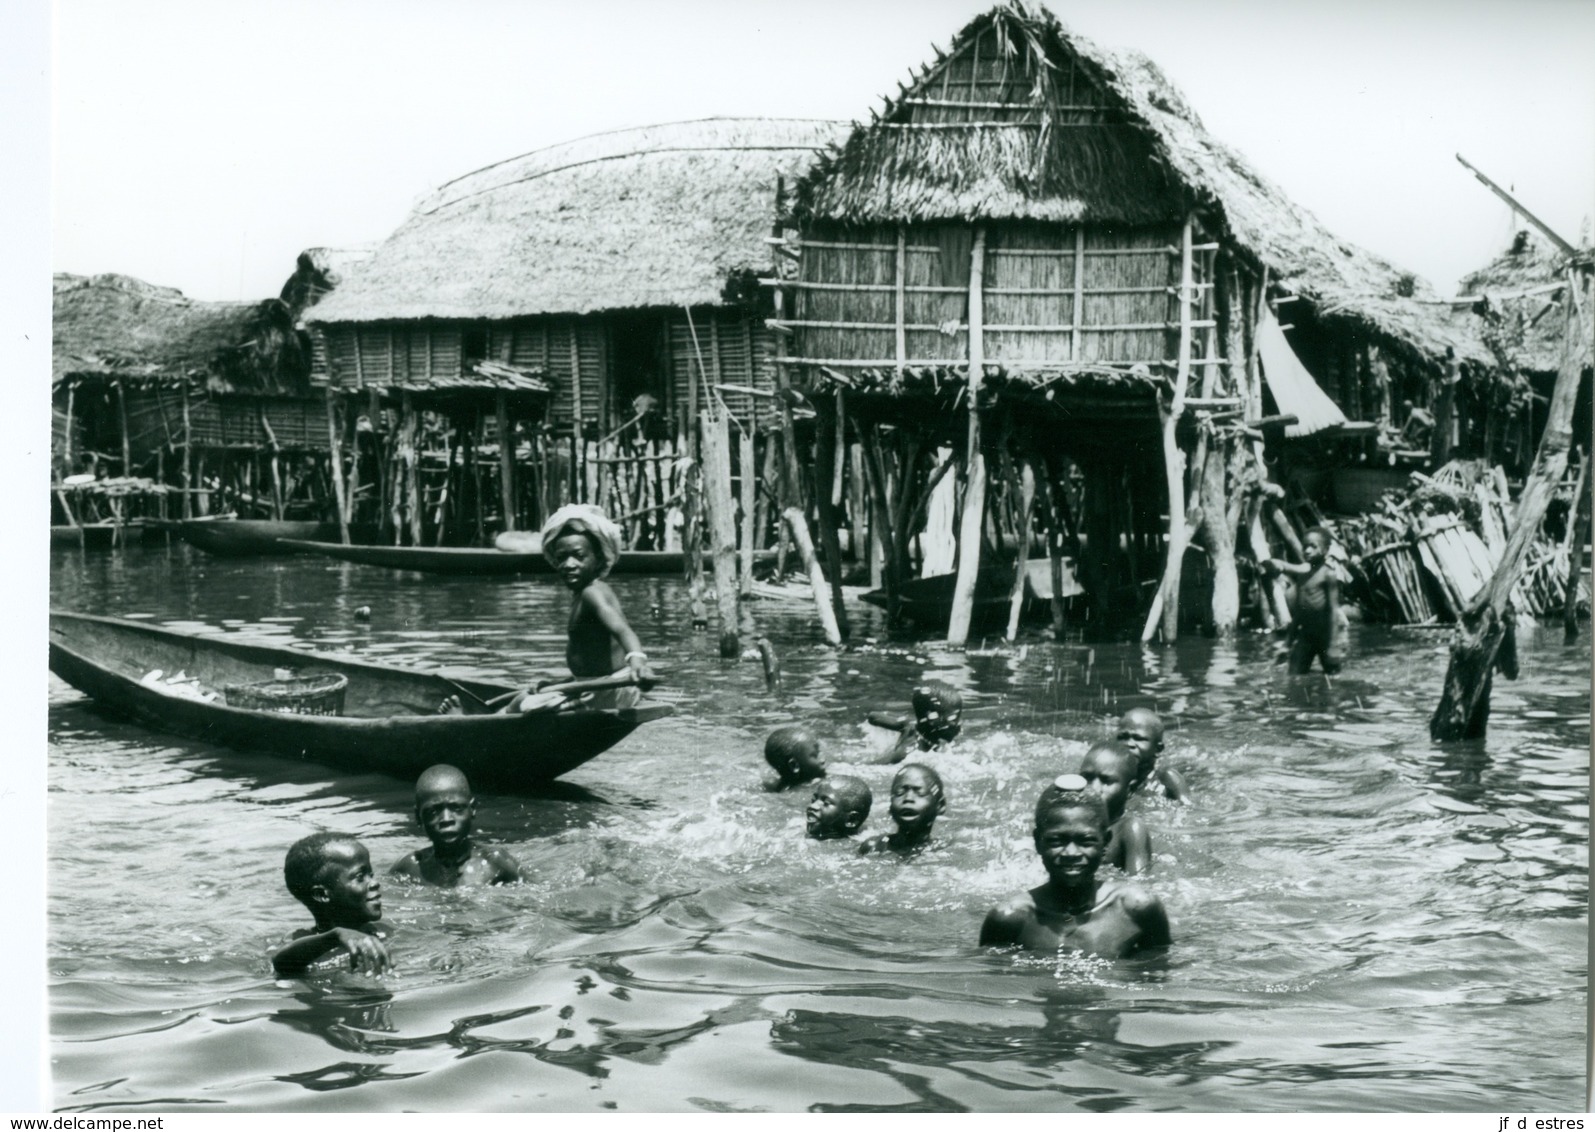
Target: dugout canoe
[479, 561]
[928, 602]
[389, 723]
[246, 538]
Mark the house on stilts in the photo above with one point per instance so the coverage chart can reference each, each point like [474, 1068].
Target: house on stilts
[579, 305]
[1035, 274]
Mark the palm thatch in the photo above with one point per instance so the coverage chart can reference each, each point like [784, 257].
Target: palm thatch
[1119, 146]
[115, 326]
[652, 217]
[1529, 328]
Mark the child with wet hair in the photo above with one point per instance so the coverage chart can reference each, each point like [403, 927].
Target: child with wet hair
[1108, 768]
[938, 719]
[1141, 730]
[446, 809]
[1074, 909]
[793, 753]
[918, 799]
[330, 874]
[838, 808]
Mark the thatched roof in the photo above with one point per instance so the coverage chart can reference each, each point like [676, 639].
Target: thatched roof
[317, 272]
[1143, 158]
[1534, 325]
[110, 325]
[650, 217]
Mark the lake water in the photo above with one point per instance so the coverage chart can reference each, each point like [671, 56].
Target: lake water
[1363, 921]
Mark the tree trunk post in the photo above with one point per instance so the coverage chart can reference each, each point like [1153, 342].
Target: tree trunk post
[975, 486]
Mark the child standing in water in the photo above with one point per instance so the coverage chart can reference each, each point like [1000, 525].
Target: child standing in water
[1317, 606]
[918, 798]
[446, 809]
[1141, 731]
[330, 874]
[1073, 909]
[1108, 769]
[582, 545]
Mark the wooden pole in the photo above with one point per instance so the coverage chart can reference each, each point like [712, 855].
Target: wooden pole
[750, 489]
[1578, 532]
[1027, 495]
[127, 441]
[66, 441]
[335, 452]
[800, 535]
[825, 499]
[1174, 462]
[715, 439]
[412, 469]
[1484, 634]
[975, 486]
[188, 451]
[506, 459]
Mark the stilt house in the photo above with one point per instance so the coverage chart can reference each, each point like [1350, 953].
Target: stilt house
[1036, 255]
[619, 269]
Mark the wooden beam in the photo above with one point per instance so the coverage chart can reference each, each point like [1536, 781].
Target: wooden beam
[506, 459]
[335, 459]
[1167, 600]
[975, 485]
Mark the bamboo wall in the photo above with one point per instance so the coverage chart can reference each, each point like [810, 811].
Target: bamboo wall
[734, 350]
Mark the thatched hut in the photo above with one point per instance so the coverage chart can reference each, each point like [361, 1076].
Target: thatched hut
[1037, 253]
[619, 268]
[142, 373]
[1516, 297]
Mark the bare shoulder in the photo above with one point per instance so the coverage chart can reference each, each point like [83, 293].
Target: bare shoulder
[1144, 909]
[1007, 920]
[408, 866]
[506, 868]
[598, 593]
[1175, 788]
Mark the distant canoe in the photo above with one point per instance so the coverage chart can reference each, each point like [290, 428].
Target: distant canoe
[477, 561]
[928, 602]
[390, 725]
[245, 538]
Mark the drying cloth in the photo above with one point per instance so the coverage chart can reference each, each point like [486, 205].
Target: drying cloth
[1295, 391]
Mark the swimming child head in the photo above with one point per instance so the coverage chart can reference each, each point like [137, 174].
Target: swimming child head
[794, 753]
[1071, 831]
[330, 873]
[1108, 769]
[838, 808]
[938, 711]
[1141, 730]
[445, 807]
[598, 547]
[918, 798]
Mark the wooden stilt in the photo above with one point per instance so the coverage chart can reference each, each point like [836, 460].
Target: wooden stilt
[1577, 533]
[881, 525]
[1174, 461]
[1027, 495]
[715, 437]
[335, 458]
[826, 496]
[506, 459]
[188, 452]
[473, 454]
[127, 440]
[750, 489]
[822, 600]
[412, 470]
[975, 485]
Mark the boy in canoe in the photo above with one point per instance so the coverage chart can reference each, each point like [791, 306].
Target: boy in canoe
[918, 798]
[1108, 769]
[583, 545]
[1141, 730]
[331, 875]
[1073, 909]
[1319, 626]
[793, 752]
[446, 809]
[838, 808]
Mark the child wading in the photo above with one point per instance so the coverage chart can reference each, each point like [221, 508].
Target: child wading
[446, 809]
[1318, 627]
[583, 545]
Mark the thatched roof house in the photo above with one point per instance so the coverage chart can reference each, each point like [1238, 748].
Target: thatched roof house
[1520, 284]
[582, 260]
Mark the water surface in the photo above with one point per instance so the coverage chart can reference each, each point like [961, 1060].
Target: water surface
[1363, 920]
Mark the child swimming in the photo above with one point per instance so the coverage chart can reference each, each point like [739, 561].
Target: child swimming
[918, 799]
[793, 752]
[446, 810]
[1141, 730]
[1318, 618]
[1108, 769]
[1073, 909]
[582, 545]
[938, 716]
[330, 874]
[838, 808]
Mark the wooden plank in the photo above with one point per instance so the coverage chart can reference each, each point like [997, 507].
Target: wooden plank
[749, 493]
[975, 486]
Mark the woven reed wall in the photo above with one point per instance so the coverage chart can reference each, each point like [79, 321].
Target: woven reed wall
[234, 422]
[733, 352]
[375, 354]
[574, 353]
[1051, 294]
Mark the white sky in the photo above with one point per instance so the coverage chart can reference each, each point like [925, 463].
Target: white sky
[202, 144]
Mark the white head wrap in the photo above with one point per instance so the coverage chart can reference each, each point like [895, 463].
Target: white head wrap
[584, 518]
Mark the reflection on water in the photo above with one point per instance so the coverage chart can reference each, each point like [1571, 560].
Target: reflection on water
[1363, 920]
